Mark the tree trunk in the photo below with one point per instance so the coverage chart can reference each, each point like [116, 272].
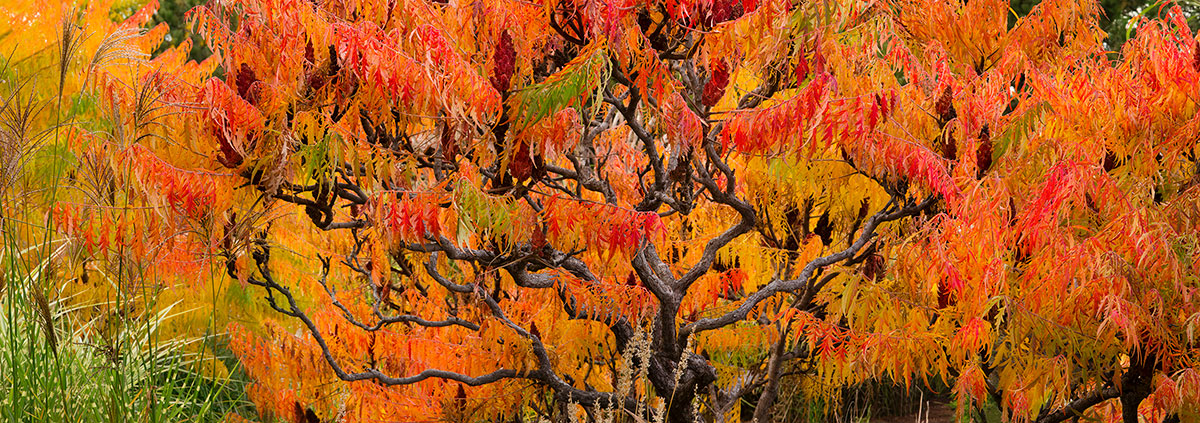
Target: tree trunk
[697, 376]
[771, 391]
[1136, 386]
[1129, 410]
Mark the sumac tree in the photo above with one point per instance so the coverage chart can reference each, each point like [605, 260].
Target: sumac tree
[663, 209]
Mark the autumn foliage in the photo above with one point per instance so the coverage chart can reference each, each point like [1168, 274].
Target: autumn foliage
[475, 211]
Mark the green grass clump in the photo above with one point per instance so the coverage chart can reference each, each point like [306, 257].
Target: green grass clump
[54, 368]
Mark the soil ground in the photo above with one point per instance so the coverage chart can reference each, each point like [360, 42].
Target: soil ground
[936, 412]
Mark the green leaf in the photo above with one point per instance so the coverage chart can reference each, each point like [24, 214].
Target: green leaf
[579, 79]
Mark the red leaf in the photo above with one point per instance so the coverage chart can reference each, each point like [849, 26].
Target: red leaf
[802, 70]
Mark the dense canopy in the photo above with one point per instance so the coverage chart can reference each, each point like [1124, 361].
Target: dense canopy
[627, 210]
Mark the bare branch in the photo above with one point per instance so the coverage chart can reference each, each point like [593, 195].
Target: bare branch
[778, 286]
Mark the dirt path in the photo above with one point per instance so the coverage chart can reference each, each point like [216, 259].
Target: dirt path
[935, 412]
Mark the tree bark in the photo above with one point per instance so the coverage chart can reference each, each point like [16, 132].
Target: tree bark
[771, 391]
